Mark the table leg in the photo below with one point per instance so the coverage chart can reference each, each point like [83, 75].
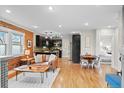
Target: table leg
[16, 75]
[28, 63]
[42, 77]
[46, 75]
[23, 73]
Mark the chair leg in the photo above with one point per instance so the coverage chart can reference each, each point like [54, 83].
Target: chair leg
[53, 70]
[84, 64]
[81, 66]
[99, 66]
[92, 65]
[88, 65]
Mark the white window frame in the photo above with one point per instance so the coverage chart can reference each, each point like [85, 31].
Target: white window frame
[5, 43]
[9, 40]
[22, 43]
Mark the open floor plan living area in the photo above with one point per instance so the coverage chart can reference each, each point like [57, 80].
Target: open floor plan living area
[61, 46]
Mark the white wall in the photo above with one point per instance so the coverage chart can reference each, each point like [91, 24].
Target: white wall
[67, 41]
[105, 36]
[122, 37]
[91, 34]
[117, 43]
[115, 50]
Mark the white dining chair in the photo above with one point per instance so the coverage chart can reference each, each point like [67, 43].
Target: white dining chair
[96, 62]
[84, 63]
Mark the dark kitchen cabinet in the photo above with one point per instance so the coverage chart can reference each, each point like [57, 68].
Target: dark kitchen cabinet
[38, 41]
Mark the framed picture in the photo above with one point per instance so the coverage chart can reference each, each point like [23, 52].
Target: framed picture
[29, 43]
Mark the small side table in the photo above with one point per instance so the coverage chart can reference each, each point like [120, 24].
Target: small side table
[26, 61]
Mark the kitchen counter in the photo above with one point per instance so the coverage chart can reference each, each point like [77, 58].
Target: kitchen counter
[58, 53]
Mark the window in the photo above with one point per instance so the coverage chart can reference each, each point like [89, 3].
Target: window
[2, 43]
[17, 44]
[11, 42]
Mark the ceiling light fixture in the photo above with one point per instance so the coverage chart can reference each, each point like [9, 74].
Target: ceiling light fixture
[86, 24]
[50, 8]
[51, 35]
[8, 11]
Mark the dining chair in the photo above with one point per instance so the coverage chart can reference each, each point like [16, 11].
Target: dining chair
[96, 62]
[84, 63]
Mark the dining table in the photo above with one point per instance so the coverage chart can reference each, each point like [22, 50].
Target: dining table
[89, 58]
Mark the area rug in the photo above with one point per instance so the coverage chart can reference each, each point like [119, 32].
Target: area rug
[33, 80]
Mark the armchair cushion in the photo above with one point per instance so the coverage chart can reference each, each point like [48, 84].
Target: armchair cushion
[52, 57]
[43, 58]
[38, 58]
[45, 63]
[113, 80]
[47, 58]
[50, 60]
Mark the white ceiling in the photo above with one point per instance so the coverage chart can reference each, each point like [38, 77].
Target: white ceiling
[70, 17]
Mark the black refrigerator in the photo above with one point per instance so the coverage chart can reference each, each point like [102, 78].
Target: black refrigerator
[76, 48]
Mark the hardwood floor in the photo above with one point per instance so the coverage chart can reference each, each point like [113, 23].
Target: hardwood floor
[73, 76]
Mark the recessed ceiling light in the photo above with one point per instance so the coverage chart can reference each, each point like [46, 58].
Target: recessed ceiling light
[60, 26]
[50, 8]
[73, 32]
[86, 24]
[35, 26]
[8, 11]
